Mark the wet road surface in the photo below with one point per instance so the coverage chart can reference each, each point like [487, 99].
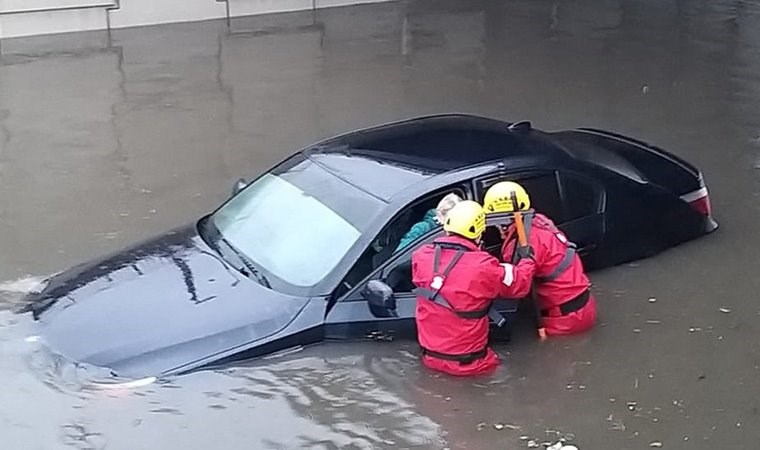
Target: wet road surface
[105, 140]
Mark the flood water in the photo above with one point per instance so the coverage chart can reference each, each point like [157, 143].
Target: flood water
[108, 139]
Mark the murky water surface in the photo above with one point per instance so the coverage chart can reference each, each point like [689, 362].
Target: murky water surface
[105, 140]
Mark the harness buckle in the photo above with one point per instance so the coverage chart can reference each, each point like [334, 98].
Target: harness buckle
[437, 282]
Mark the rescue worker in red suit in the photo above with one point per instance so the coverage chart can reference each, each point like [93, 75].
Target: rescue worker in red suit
[561, 287]
[456, 284]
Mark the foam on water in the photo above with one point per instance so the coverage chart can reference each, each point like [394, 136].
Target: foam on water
[13, 291]
[21, 285]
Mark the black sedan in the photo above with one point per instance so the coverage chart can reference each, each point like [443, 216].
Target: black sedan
[293, 257]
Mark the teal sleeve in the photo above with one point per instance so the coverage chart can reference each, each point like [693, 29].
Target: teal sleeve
[417, 230]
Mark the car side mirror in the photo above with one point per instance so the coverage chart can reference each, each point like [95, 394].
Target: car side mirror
[380, 299]
[240, 184]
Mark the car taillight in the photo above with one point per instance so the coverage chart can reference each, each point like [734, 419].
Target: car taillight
[702, 205]
[699, 200]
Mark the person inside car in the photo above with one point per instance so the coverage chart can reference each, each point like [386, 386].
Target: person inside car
[562, 289]
[456, 282]
[432, 219]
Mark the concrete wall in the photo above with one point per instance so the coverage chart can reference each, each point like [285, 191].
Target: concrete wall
[25, 18]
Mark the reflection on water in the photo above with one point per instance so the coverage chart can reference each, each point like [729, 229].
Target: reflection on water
[344, 396]
[107, 141]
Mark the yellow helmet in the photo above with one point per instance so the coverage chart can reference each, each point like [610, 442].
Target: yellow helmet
[502, 196]
[467, 219]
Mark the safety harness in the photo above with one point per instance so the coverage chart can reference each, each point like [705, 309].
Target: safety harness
[465, 359]
[563, 265]
[434, 295]
[571, 248]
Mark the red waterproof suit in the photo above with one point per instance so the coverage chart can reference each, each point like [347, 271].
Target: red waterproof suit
[559, 276]
[454, 333]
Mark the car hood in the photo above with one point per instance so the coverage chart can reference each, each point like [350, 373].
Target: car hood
[158, 307]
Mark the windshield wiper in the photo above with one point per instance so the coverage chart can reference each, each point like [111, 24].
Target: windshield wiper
[249, 267]
[260, 277]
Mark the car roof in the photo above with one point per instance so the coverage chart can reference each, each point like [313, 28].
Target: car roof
[388, 159]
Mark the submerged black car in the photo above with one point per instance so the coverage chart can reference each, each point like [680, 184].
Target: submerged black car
[287, 260]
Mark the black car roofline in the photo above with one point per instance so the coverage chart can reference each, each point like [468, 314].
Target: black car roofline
[413, 119]
[336, 175]
[442, 180]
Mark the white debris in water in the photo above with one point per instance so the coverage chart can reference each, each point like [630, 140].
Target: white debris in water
[656, 444]
[127, 384]
[560, 445]
[645, 89]
[617, 424]
[498, 426]
[652, 300]
[533, 444]
[509, 426]
[724, 310]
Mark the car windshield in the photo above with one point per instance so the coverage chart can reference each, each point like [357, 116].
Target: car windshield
[297, 224]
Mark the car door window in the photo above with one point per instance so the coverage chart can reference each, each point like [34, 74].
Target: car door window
[543, 189]
[386, 244]
[544, 194]
[583, 197]
[398, 274]
[572, 201]
[562, 196]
